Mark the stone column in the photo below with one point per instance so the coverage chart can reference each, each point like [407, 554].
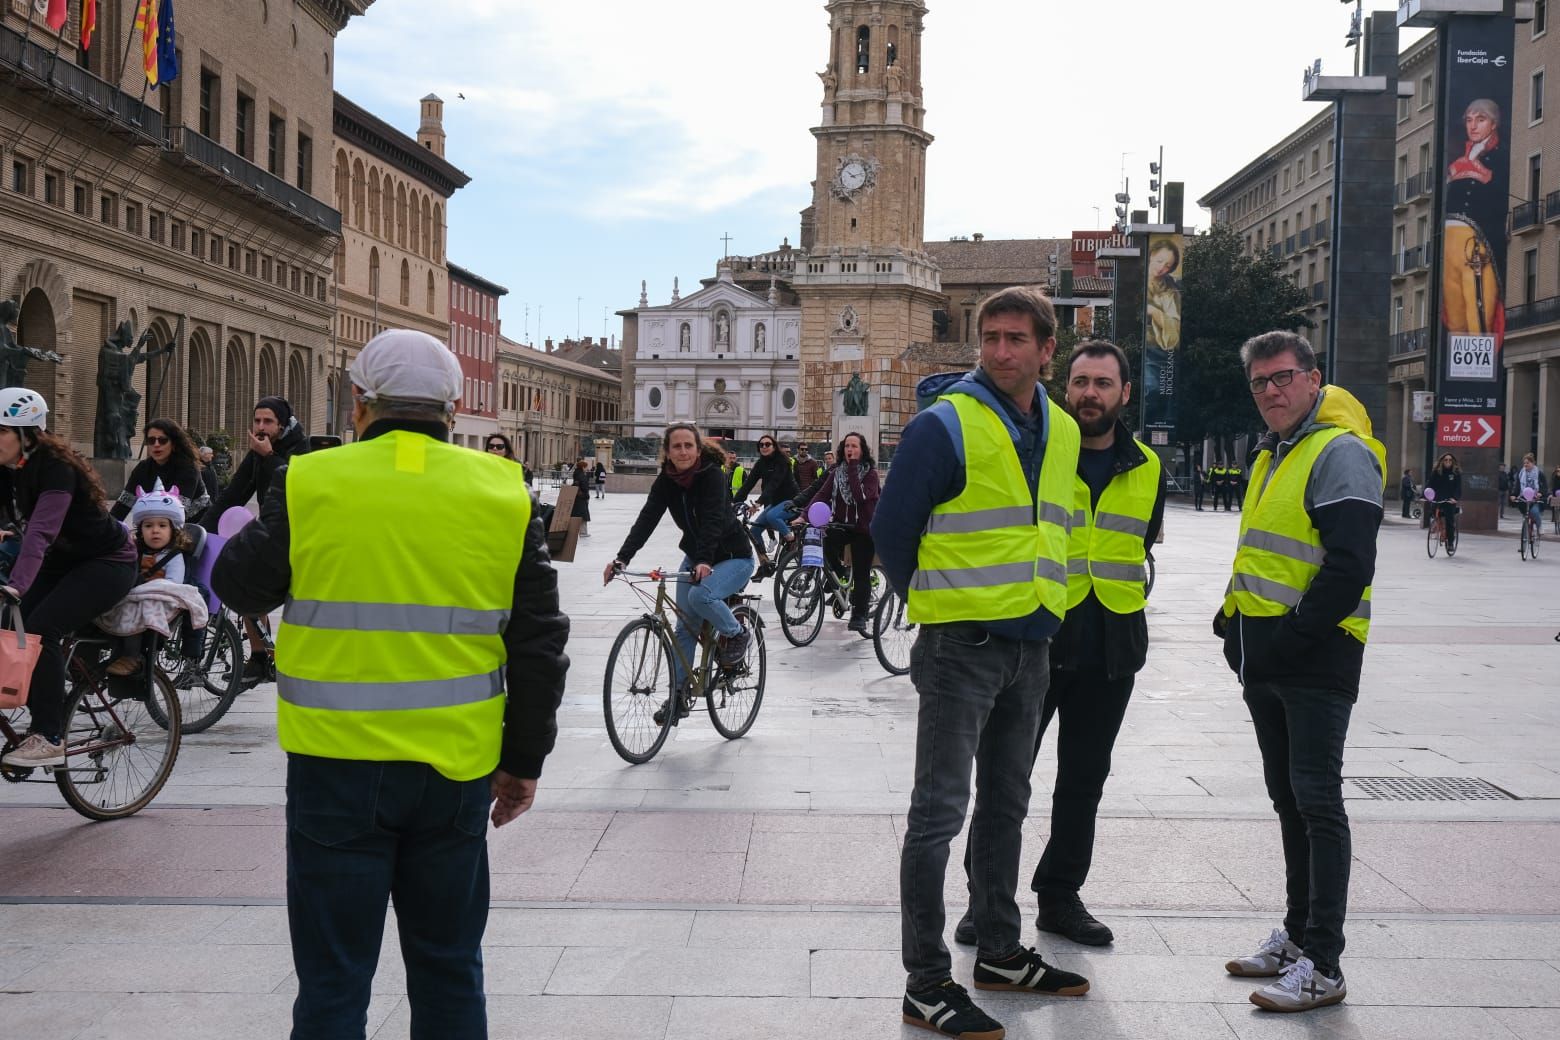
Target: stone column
[1548, 413]
[1521, 384]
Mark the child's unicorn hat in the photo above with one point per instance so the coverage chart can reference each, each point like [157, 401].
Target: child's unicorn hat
[157, 503]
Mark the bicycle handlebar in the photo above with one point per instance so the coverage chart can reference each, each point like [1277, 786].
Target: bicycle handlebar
[656, 574]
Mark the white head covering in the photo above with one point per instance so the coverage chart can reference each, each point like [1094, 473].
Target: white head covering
[155, 503]
[404, 365]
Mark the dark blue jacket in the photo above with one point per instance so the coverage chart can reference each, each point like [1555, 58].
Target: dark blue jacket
[928, 470]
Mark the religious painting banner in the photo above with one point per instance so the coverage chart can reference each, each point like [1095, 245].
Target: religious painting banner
[1475, 185]
[1161, 335]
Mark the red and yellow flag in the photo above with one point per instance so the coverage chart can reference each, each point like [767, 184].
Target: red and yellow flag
[146, 21]
[88, 22]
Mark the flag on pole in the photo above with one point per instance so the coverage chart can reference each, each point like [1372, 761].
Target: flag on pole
[88, 22]
[167, 44]
[146, 21]
[58, 13]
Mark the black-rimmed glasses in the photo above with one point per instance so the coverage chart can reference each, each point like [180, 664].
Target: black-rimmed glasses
[1278, 379]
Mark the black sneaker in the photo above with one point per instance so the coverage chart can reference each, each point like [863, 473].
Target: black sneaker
[1027, 972]
[733, 650]
[1064, 914]
[964, 932]
[765, 570]
[948, 1009]
[684, 706]
[858, 624]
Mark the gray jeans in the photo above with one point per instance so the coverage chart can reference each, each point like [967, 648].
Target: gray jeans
[980, 704]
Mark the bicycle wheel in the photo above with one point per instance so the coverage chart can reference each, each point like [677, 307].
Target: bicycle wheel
[1432, 541]
[208, 685]
[785, 566]
[637, 683]
[801, 606]
[1522, 541]
[892, 634]
[736, 693]
[1148, 585]
[119, 757]
[1533, 539]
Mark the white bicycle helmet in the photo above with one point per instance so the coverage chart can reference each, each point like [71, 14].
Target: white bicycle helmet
[20, 406]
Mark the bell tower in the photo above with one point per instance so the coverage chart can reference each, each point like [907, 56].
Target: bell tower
[867, 287]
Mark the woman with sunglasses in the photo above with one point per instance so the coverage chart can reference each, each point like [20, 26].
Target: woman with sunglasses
[171, 459]
[777, 486]
[498, 444]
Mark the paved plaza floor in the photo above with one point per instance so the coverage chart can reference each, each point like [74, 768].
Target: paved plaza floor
[748, 889]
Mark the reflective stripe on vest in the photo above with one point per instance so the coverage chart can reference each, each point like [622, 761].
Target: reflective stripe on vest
[1106, 552]
[404, 551]
[989, 553]
[1280, 553]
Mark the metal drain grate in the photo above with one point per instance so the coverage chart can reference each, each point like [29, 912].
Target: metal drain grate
[1425, 789]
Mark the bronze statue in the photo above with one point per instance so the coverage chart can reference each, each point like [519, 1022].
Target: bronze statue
[14, 356]
[855, 396]
[118, 401]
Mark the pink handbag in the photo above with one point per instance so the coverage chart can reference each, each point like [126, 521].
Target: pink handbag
[18, 654]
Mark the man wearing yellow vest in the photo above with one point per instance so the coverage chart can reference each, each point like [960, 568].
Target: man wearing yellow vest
[1294, 623]
[417, 589]
[972, 529]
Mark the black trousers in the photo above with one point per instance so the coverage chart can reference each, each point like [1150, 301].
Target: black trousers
[62, 600]
[1197, 495]
[861, 553]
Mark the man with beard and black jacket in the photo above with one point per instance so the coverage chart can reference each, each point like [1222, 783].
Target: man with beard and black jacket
[1294, 623]
[1118, 508]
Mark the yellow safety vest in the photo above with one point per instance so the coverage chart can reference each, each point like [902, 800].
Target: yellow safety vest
[404, 553]
[1280, 553]
[989, 553]
[736, 478]
[1106, 551]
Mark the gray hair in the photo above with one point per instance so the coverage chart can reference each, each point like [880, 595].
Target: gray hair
[1272, 344]
[406, 411]
[1484, 107]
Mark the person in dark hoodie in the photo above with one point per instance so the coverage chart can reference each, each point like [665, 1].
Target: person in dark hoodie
[1294, 624]
[776, 479]
[694, 487]
[274, 437]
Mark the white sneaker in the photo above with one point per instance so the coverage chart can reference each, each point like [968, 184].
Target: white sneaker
[35, 751]
[1301, 989]
[1272, 958]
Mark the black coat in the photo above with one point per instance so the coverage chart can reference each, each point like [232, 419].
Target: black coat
[703, 512]
[255, 474]
[176, 473]
[254, 571]
[776, 480]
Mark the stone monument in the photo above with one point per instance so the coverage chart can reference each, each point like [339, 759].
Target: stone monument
[118, 400]
[856, 410]
[14, 355]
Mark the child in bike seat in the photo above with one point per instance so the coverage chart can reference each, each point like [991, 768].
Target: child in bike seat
[157, 522]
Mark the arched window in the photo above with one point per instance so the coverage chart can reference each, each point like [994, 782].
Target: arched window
[893, 46]
[430, 293]
[406, 284]
[427, 230]
[438, 233]
[416, 223]
[373, 273]
[341, 263]
[400, 215]
[343, 180]
[863, 49]
[373, 202]
[357, 193]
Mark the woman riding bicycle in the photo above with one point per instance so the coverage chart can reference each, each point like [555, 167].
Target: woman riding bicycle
[850, 488]
[75, 563]
[693, 486]
[1530, 477]
[777, 486]
[1445, 482]
[171, 459]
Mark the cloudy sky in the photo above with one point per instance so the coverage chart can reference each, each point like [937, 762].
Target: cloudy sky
[617, 140]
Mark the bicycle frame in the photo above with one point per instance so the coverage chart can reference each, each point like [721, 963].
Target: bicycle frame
[74, 666]
[662, 607]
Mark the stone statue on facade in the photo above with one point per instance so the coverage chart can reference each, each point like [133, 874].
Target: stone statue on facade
[854, 396]
[13, 355]
[118, 401]
[722, 329]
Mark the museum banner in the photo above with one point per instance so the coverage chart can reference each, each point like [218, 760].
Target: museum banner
[1475, 184]
[1161, 335]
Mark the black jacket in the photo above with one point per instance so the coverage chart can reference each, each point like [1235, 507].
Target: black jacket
[711, 531]
[254, 475]
[254, 571]
[176, 473]
[1093, 639]
[1445, 485]
[777, 477]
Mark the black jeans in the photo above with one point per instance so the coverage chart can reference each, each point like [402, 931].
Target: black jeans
[1089, 709]
[980, 700]
[62, 600]
[861, 553]
[1301, 734]
[361, 834]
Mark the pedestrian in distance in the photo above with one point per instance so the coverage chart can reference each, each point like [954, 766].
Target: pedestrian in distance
[601, 479]
[418, 686]
[1503, 484]
[1217, 474]
[1407, 492]
[1199, 479]
[208, 471]
[1237, 488]
[1294, 623]
[1102, 644]
[808, 469]
[582, 480]
[972, 530]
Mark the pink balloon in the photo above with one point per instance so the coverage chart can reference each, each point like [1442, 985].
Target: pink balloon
[1429, 494]
[233, 521]
[1529, 494]
[818, 514]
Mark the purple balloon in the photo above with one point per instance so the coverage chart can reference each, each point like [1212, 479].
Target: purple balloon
[1529, 494]
[1429, 494]
[818, 514]
[233, 521]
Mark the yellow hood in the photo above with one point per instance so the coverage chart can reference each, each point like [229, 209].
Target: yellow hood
[1339, 408]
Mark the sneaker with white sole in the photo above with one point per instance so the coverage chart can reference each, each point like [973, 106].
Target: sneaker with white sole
[1275, 955]
[1301, 988]
[34, 752]
[948, 1009]
[1027, 972]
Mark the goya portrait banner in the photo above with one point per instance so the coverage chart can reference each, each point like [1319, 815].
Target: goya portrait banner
[1161, 335]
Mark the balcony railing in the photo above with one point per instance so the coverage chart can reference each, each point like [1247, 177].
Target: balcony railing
[36, 68]
[1305, 238]
[1275, 250]
[1552, 206]
[1318, 292]
[1416, 187]
[1319, 233]
[1525, 216]
[1409, 341]
[1529, 315]
[1289, 245]
[239, 172]
[1411, 260]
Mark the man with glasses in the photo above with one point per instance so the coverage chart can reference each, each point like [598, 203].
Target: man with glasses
[1294, 623]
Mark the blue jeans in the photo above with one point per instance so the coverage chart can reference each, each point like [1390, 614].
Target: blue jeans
[362, 834]
[776, 518]
[980, 704]
[706, 601]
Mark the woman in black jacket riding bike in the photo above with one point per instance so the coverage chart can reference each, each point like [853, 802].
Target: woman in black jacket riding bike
[776, 479]
[1445, 482]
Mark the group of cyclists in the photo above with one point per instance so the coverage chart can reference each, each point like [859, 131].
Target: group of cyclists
[1525, 488]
